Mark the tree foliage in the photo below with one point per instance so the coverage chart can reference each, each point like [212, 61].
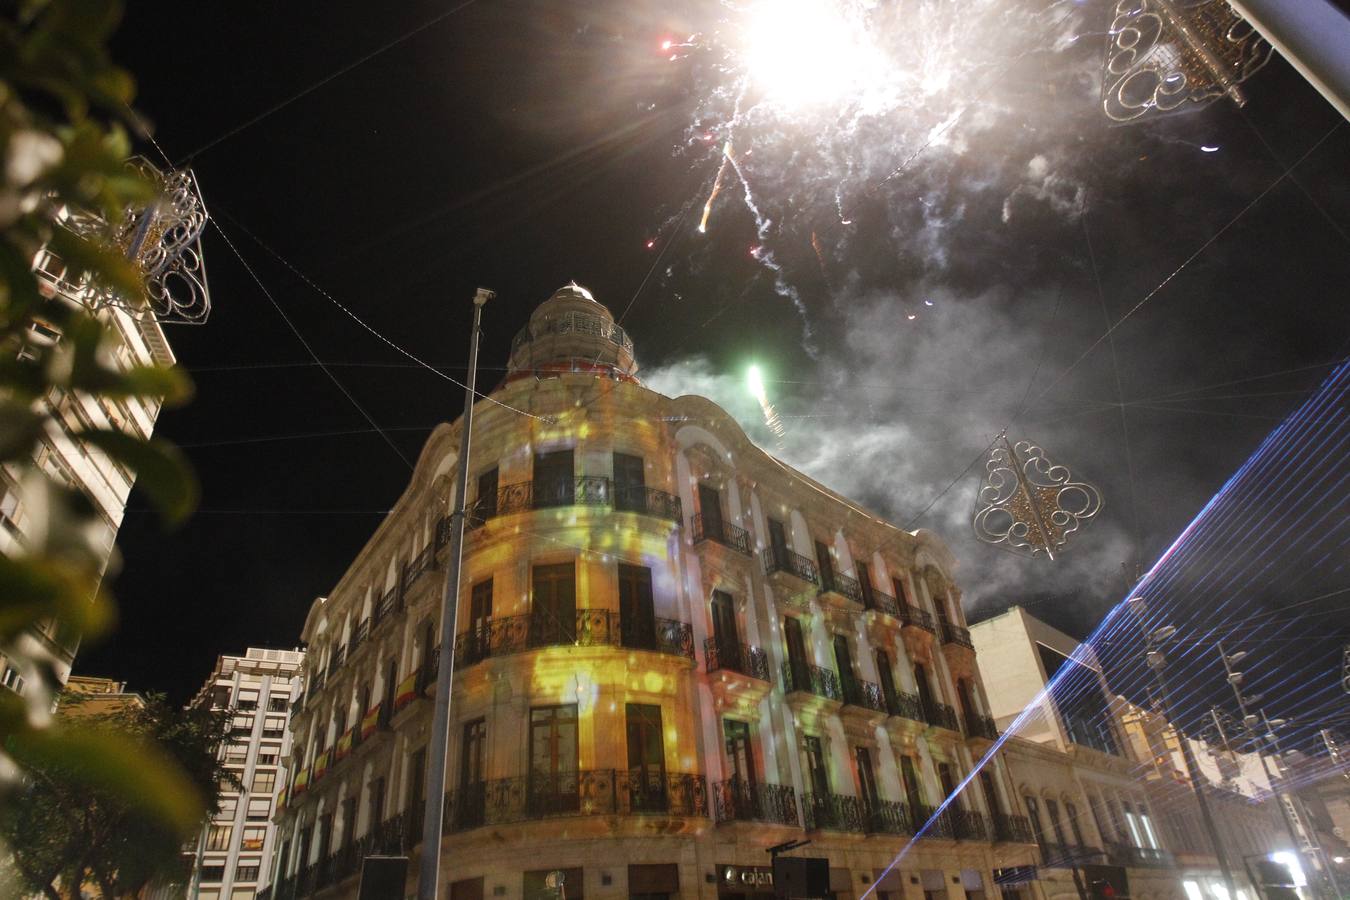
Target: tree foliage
[67, 826]
[64, 142]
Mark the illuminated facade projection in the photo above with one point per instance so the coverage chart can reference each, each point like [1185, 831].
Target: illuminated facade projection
[1097, 802]
[674, 653]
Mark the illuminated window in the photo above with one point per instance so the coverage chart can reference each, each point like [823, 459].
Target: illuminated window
[553, 759]
[553, 617]
[264, 782]
[218, 837]
[646, 757]
[253, 837]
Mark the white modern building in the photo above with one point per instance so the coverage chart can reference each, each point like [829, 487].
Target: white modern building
[231, 859]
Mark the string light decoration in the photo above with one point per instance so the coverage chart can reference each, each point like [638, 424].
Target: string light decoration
[1166, 56]
[163, 240]
[1029, 504]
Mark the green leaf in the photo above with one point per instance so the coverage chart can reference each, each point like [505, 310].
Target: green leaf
[135, 771]
[107, 267]
[35, 588]
[20, 427]
[161, 470]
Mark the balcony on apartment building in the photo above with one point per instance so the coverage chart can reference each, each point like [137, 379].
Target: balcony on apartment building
[579, 490]
[801, 677]
[505, 635]
[1012, 829]
[1068, 856]
[719, 531]
[788, 562]
[741, 800]
[1122, 854]
[954, 634]
[843, 587]
[733, 657]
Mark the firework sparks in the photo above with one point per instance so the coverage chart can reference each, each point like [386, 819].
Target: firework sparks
[716, 188]
[771, 419]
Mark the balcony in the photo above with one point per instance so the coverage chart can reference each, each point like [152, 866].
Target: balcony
[423, 562]
[904, 706]
[933, 823]
[834, 812]
[739, 800]
[968, 825]
[955, 634]
[741, 658]
[888, 817]
[580, 490]
[647, 501]
[781, 559]
[1118, 854]
[336, 660]
[842, 586]
[982, 727]
[881, 602]
[721, 532]
[799, 677]
[359, 635]
[862, 694]
[588, 628]
[597, 792]
[915, 617]
[1068, 856]
[941, 715]
[390, 602]
[1012, 829]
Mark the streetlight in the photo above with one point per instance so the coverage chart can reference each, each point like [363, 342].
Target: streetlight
[1251, 721]
[1156, 657]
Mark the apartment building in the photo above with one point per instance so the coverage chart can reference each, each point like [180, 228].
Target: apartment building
[674, 652]
[1101, 782]
[230, 857]
[138, 340]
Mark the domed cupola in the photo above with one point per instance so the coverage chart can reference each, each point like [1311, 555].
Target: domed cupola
[571, 332]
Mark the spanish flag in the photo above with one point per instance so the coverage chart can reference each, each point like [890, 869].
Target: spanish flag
[301, 782]
[282, 796]
[371, 721]
[344, 744]
[321, 763]
[407, 690]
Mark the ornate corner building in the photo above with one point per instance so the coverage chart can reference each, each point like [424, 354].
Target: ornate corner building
[674, 652]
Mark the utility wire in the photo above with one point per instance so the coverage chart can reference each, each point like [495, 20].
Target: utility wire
[300, 337]
[338, 73]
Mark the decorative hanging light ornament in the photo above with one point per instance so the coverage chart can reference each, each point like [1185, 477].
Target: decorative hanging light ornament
[1165, 56]
[163, 240]
[1029, 504]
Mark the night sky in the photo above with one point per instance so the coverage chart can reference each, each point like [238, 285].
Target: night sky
[522, 145]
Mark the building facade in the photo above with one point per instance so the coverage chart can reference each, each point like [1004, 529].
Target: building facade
[1103, 780]
[138, 341]
[674, 652]
[230, 859]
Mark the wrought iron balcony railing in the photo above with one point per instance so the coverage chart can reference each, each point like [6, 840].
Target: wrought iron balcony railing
[505, 635]
[1068, 856]
[388, 603]
[648, 501]
[904, 705]
[800, 676]
[573, 323]
[740, 800]
[888, 817]
[335, 661]
[843, 585]
[941, 715]
[834, 812]
[863, 694]
[1121, 854]
[881, 602]
[935, 824]
[746, 660]
[955, 634]
[919, 618]
[622, 792]
[1013, 829]
[721, 532]
[781, 559]
[968, 824]
[580, 490]
[980, 726]
[359, 635]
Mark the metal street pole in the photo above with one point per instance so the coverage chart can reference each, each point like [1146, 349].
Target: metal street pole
[1193, 770]
[1235, 683]
[1315, 846]
[433, 814]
